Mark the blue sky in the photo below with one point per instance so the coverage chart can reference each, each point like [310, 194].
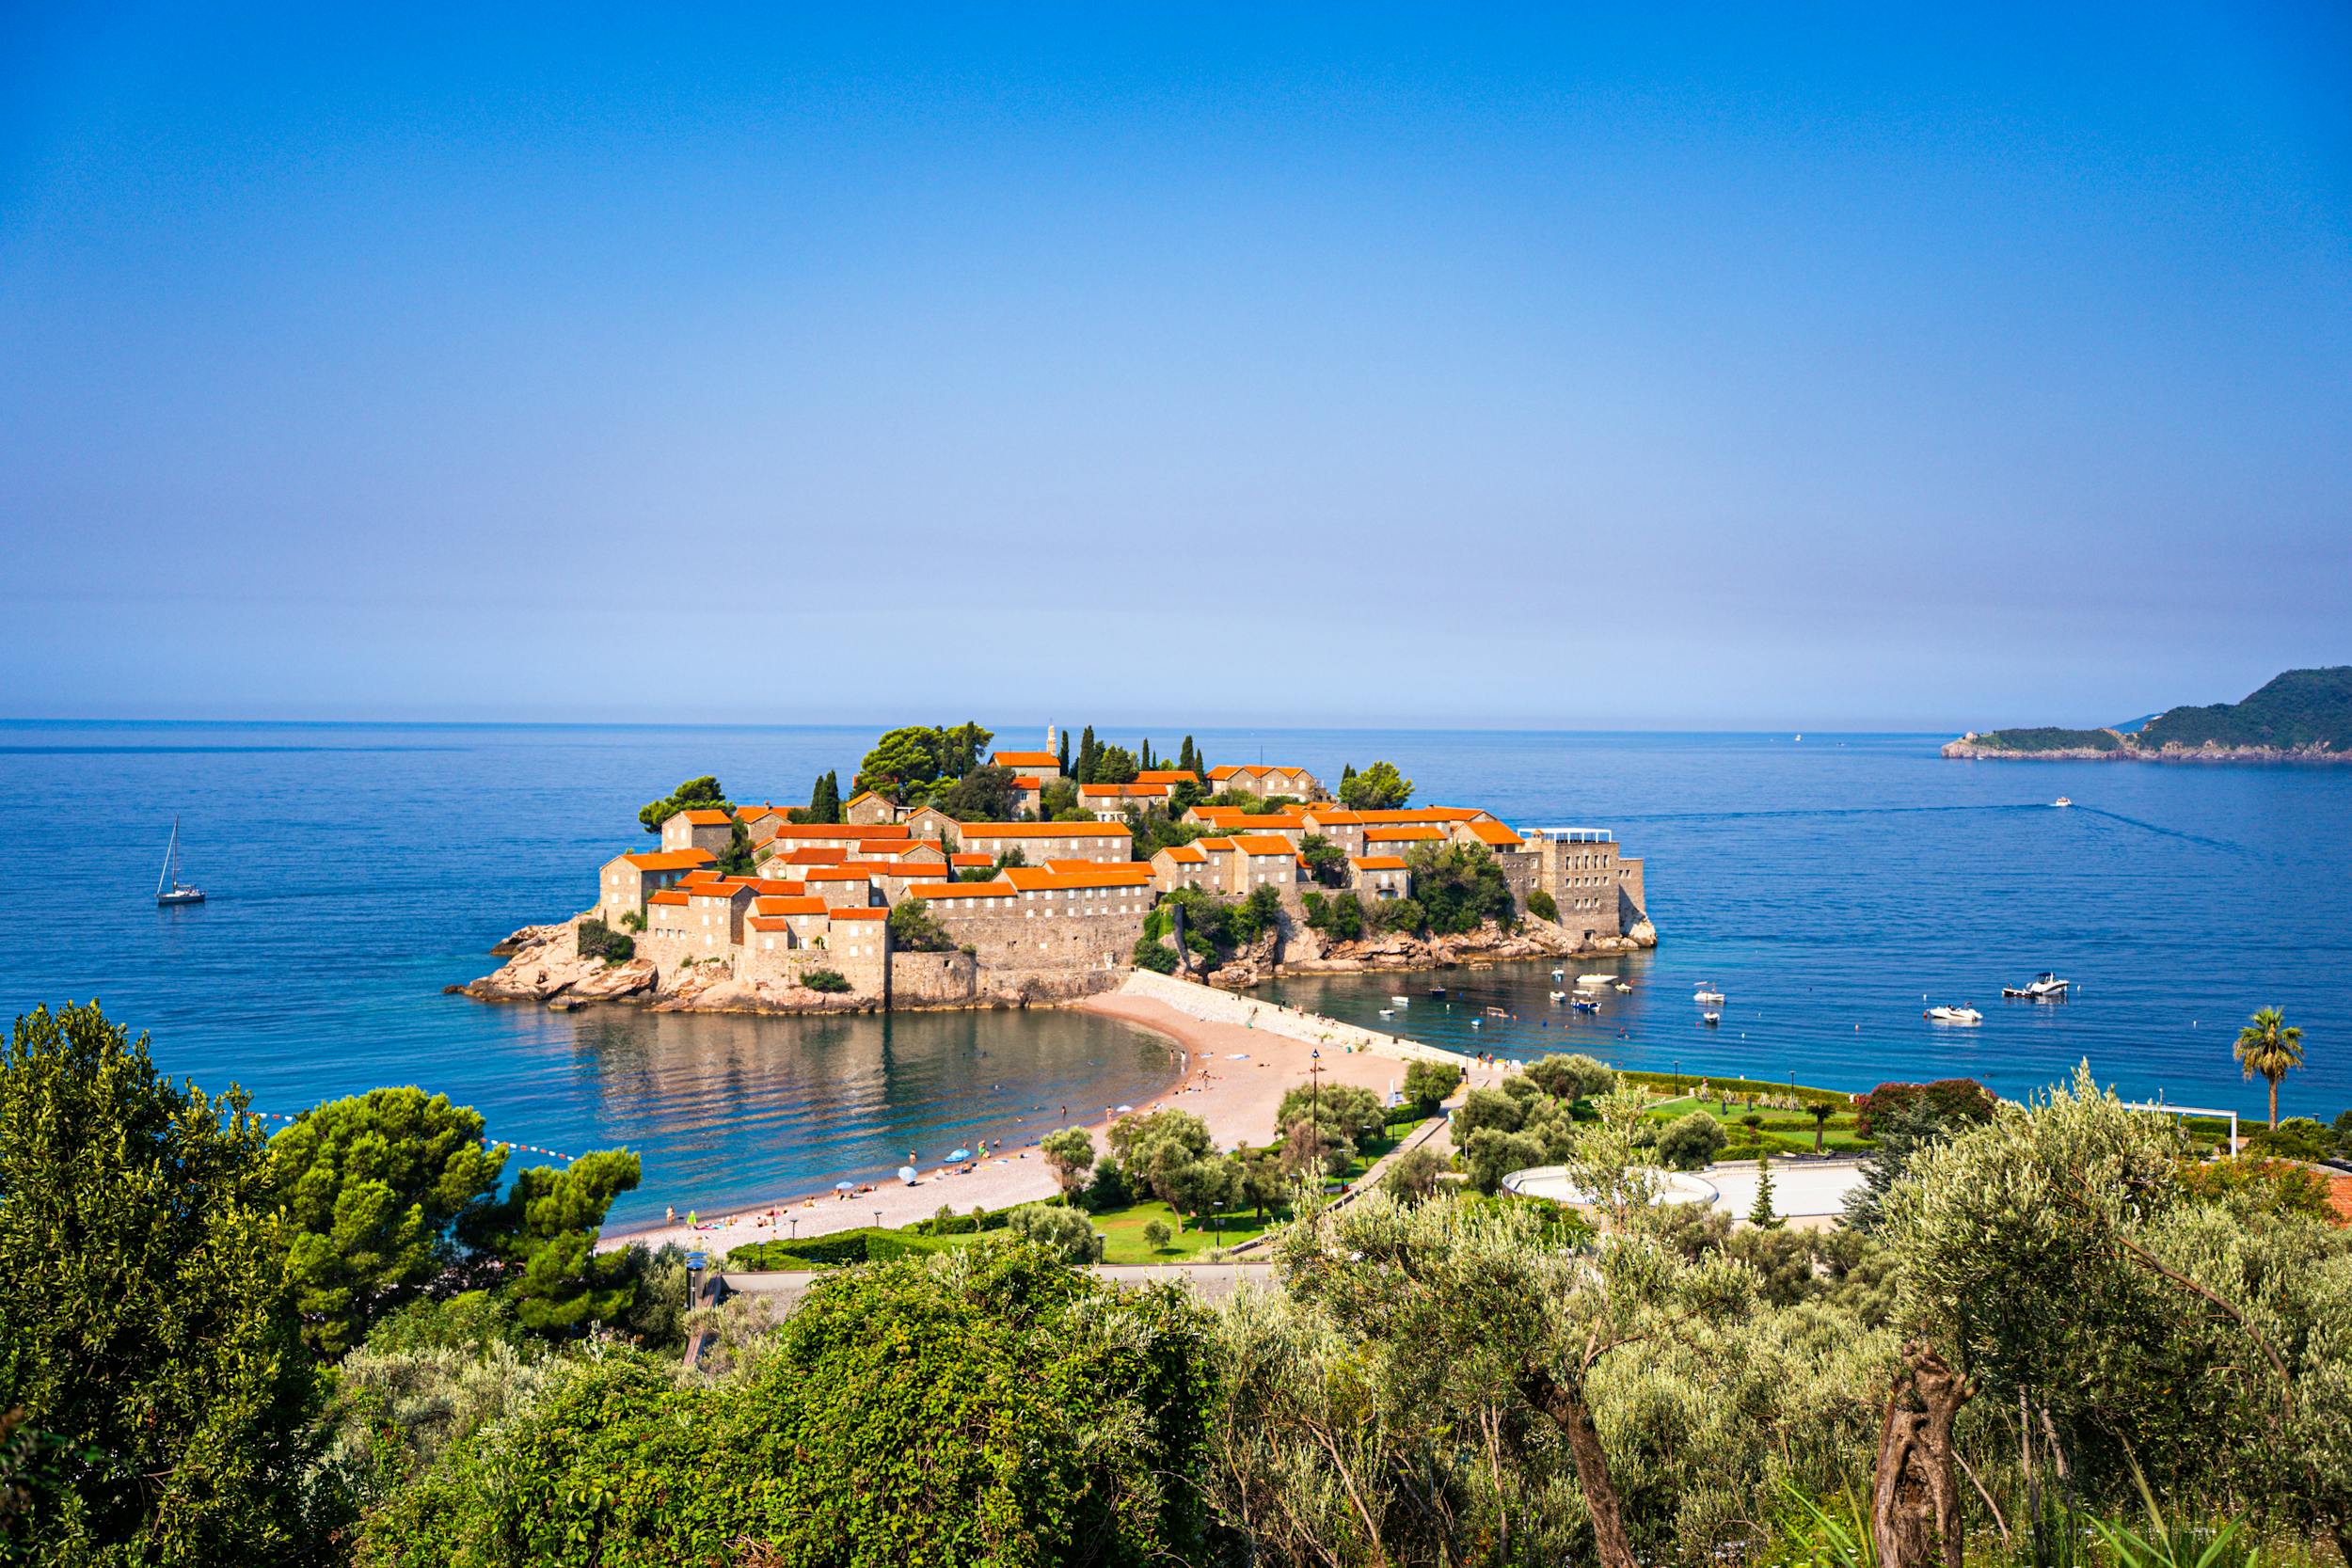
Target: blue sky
[1776, 366]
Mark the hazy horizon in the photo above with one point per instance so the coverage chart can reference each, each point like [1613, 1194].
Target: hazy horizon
[1850, 371]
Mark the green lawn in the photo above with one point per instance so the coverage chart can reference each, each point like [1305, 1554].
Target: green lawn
[1782, 1132]
[1123, 1242]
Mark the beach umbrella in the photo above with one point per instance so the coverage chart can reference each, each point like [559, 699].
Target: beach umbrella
[906, 1174]
[845, 1186]
[959, 1154]
[1124, 1109]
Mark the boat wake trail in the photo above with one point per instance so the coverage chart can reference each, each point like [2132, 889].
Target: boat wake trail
[2222, 845]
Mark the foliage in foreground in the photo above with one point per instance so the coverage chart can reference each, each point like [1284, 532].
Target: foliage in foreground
[985, 1405]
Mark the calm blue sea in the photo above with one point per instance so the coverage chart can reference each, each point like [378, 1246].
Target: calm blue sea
[1826, 885]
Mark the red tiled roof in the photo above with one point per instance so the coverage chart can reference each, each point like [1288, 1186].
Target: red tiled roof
[1378, 863]
[1421, 814]
[859, 912]
[1185, 853]
[1044, 829]
[968, 859]
[1030, 782]
[998, 888]
[1334, 815]
[668, 859]
[1124, 792]
[1168, 776]
[1264, 844]
[1421, 834]
[842, 830]
[1077, 874]
[696, 878]
[788, 906]
[704, 817]
[855, 871]
[1217, 845]
[1024, 759]
[1494, 834]
[815, 854]
[667, 895]
[727, 888]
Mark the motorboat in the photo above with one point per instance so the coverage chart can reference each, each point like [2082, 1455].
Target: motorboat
[1622, 989]
[1387, 1012]
[1954, 1015]
[2061, 801]
[1401, 1000]
[1474, 1024]
[1704, 997]
[1595, 979]
[2044, 986]
[1559, 973]
[1585, 1005]
[1558, 997]
[169, 889]
[1498, 1012]
[1710, 1020]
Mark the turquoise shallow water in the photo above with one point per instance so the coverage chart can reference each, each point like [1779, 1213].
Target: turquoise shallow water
[356, 869]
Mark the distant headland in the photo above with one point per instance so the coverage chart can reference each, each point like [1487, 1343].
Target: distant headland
[943, 880]
[2301, 716]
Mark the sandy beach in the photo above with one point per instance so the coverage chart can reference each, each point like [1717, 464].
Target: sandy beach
[1231, 1076]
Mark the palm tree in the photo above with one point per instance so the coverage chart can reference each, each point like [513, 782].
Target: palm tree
[2272, 1047]
[1823, 1110]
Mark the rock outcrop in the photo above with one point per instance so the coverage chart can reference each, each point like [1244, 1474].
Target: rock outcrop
[545, 965]
[1305, 952]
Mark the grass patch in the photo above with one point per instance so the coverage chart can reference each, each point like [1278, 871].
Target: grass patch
[1123, 1242]
[1782, 1132]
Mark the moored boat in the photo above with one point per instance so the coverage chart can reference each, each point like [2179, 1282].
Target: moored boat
[2044, 986]
[169, 889]
[1954, 1015]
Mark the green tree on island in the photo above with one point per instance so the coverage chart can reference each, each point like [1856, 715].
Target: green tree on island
[701, 793]
[1069, 1153]
[2272, 1047]
[1379, 787]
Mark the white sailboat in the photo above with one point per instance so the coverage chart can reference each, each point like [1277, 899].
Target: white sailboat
[169, 889]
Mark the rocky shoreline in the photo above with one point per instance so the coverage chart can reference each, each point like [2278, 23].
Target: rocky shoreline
[1968, 748]
[544, 966]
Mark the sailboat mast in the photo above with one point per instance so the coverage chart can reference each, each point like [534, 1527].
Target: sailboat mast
[171, 857]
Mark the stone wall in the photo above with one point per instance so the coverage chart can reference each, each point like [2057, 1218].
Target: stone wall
[1013, 943]
[1632, 901]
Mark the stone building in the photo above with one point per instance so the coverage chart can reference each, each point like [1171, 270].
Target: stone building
[867, 809]
[1378, 877]
[698, 829]
[626, 879]
[1039, 842]
[1028, 794]
[1073, 916]
[1111, 802]
[1599, 890]
[1260, 778]
[1180, 865]
[1229, 820]
[1045, 766]
[930, 823]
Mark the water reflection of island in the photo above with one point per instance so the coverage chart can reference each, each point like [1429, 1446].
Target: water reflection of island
[725, 1107]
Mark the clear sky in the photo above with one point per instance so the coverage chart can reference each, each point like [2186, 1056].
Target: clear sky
[1874, 365]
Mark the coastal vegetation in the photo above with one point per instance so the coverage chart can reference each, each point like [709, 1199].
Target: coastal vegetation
[2270, 1048]
[2052, 1331]
[2299, 712]
[1379, 787]
[698, 794]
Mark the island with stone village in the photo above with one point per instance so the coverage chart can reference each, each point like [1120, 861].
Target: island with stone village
[953, 876]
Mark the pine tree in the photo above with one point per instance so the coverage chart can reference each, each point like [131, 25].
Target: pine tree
[1760, 1213]
[1347, 772]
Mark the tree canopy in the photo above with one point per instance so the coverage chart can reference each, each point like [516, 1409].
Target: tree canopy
[701, 793]
[1379, 787]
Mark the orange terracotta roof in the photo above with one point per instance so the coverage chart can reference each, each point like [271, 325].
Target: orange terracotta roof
[857, 871]
[1028, 783]
[1422, 834]
[867, 795]
[1334, 815]
[1186, 854]
[1378, 863]
[1168, 776]
[815, 854]
[1044, 829]
[968, 859]
[842, 830]
[789, 905]
[1253, 769]
[859, 912]
[1024, 759]
[668, 859]
[701, 818]
[1124, 792]
[1494, 834]
[1217, 846]
[1077, 874]
[1275, 822]
[1264, 844]
[998, 888]
[930, 871]
[1422, 813]
[1218, 814]
[666, 895]
[696, 878]
[727, 888]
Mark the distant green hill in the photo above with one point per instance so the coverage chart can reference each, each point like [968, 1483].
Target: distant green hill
[2298, 709]
[2303, 710]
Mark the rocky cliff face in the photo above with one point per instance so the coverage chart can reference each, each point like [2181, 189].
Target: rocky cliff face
[1305, 952]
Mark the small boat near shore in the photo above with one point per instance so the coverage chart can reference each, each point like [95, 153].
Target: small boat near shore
[2044, 986]
[2061, 802]
[1963, 1016]
[169, 890]
[1707, 996]
[1710, 1019]
[1585, 1005]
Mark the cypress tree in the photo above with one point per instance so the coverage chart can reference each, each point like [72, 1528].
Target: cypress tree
[1143, 764]
[1065, 754]
[1087, 750]
[824, 805]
